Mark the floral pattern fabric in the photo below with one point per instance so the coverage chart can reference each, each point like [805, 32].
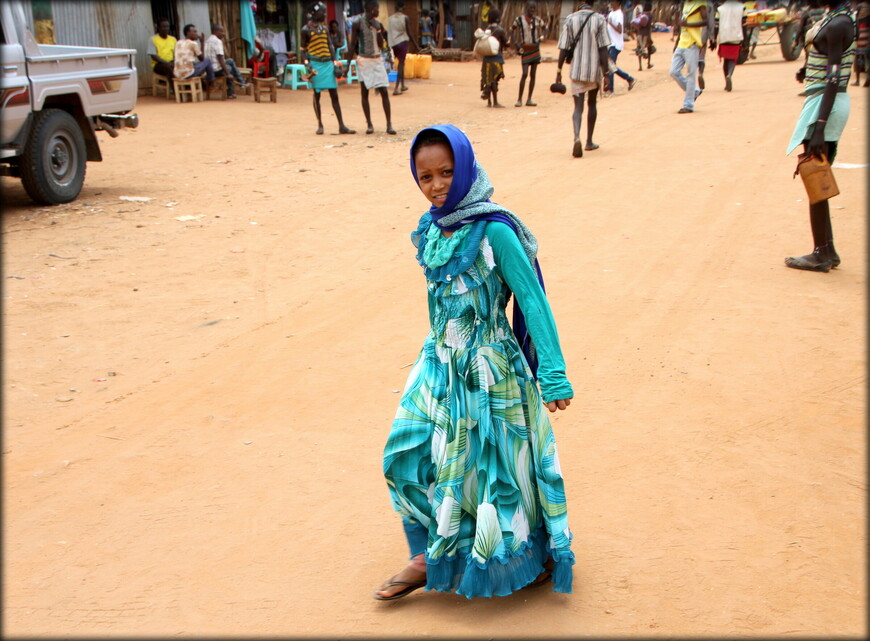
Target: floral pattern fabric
[471, 456]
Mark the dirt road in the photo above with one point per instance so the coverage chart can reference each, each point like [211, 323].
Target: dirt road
[197, 388]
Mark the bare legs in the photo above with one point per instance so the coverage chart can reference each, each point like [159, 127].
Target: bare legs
[531, 72]
[333, 96]
[590, 121]
[823, 256]
[385, 99]
[400, 78]
[728, 69]
[491, 95]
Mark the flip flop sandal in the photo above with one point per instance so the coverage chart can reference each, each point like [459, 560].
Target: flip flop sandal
[577, 149]
[410, 587]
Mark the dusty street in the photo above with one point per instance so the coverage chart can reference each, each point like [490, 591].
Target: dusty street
[197, 388]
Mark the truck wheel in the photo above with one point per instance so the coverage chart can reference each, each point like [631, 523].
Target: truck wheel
[53, 164]
[790, 41]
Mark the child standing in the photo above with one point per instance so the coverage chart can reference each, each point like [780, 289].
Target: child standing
[426, 39]
[492, 69]
[471, 461]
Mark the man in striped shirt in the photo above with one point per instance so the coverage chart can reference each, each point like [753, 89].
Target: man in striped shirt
[584, 41]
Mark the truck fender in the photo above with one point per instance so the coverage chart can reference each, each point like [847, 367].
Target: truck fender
[71, 103]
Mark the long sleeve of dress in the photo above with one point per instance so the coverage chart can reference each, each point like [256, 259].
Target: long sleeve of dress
[516, 271]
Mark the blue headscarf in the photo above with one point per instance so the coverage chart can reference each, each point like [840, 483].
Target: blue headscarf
[468, 201]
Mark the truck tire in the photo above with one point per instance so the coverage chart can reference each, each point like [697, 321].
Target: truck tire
[54, 159]
[790, 40]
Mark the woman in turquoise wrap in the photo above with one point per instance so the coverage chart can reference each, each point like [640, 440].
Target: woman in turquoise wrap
[471, 461]
[830, 54]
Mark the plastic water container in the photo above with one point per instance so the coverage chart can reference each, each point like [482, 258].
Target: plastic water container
[423, 66]
[410, 65]
[392, 76]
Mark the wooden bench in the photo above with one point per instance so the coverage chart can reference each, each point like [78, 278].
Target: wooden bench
[189, 89]
[247, 76]
[266, 85]
[161, 83]
[219, 85]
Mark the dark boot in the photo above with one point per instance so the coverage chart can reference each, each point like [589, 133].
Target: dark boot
[831, 254]
[818, 261]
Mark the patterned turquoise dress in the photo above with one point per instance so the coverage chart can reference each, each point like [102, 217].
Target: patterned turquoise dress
[471, 461]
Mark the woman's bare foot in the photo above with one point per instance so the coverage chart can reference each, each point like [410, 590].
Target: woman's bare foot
[414, 574]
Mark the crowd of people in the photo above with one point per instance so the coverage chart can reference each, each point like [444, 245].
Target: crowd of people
[471, 463]
[194, 55]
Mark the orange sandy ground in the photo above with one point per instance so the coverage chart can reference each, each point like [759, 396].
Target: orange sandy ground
[227, 479]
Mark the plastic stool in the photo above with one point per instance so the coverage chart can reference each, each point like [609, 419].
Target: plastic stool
[293, 73]
[352, 72]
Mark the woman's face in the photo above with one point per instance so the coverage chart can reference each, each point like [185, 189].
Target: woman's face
[434, 164]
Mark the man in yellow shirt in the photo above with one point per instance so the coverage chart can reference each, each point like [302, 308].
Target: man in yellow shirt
[687, 53]
[161, 48]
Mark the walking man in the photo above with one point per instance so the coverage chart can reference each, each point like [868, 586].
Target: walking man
[367, 35]
[527, 32]
[584, 42]
[729, 34]
[693, 20]
[318, 53]
[398, 36]
[615, 30]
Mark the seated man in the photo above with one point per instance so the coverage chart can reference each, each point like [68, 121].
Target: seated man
[189, 61]
[220, 64]
[161, 48]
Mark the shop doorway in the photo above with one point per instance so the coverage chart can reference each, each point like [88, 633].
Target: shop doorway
[166, 9]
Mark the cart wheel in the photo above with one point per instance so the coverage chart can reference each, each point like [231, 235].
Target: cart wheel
[791, 41]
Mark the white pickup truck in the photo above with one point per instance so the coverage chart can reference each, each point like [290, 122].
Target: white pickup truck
[54, 99]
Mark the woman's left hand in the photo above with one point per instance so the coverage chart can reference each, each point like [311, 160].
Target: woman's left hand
[560, 404]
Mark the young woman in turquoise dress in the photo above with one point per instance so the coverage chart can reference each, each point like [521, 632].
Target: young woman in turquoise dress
[471, 461]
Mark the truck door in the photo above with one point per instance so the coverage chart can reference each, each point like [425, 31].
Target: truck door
[14, 86]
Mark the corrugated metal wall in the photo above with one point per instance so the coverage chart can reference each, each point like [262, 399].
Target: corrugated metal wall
[127, 24]
[194, 12]
[228, 14]
[124, 24]
[464, 24]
